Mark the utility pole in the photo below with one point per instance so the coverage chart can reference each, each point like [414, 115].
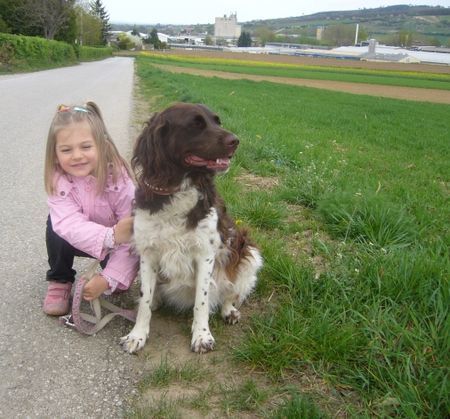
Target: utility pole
[356, 34]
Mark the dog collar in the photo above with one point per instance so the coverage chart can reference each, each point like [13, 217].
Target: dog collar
[161, 191]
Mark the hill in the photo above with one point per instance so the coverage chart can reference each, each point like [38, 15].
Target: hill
[425, 21]
[428, 24]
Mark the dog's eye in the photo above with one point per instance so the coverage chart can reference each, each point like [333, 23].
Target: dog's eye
[199, 121]
[217, 120]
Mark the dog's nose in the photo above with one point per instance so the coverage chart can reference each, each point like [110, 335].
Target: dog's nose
[231, 141]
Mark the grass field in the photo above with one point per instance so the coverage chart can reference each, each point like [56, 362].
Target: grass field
[347, 197]
[354, 75]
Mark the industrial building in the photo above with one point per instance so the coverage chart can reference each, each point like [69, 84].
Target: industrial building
[227, 27]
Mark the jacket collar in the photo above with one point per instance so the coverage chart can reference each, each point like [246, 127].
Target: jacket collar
[65, 183]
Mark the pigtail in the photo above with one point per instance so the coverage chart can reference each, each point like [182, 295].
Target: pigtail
[110, 160]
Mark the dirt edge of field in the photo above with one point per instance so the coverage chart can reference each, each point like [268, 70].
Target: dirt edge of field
[393, 92]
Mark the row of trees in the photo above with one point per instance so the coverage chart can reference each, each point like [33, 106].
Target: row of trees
[135, 42]
[337, 35]
[332, 35]
[262, 34]
[83, 22]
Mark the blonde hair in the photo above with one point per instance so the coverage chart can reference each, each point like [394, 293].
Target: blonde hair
[109, 159]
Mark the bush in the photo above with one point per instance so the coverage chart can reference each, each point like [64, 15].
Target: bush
[6, 54]
[93, 53]
[27, 51]
[124, 42]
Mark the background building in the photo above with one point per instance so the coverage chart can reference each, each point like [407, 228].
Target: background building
[227, 27]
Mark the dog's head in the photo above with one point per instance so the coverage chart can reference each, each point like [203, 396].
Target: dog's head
[182, 140]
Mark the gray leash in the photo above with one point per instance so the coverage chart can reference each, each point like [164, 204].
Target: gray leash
[90, 324]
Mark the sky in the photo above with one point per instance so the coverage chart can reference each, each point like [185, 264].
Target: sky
[190, 12]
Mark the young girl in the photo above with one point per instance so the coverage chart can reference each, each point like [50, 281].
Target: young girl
[90, 194]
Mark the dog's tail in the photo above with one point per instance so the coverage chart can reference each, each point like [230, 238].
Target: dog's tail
[241, 248]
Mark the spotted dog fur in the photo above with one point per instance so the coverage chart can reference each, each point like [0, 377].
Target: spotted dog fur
[192, 253]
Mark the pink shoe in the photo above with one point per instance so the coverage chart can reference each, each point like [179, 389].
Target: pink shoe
[56, 301]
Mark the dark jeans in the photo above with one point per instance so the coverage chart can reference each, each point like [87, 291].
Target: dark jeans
[60, 257]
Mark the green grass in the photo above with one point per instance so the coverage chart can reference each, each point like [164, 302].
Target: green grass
[353, 75]
[298, 407]
[370, 221]
[166, 373]
[162, 408]
[246, 397]
[373, 174]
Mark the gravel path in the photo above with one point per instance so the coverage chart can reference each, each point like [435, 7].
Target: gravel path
[49, 371]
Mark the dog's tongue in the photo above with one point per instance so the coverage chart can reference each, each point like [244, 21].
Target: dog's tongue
[195, 160]
[218, 164]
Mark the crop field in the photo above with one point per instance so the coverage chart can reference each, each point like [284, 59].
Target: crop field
[348, 198]
[309, 71]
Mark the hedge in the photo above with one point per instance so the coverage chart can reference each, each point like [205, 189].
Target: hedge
[93, 53]
[19, 52]
[25, 51]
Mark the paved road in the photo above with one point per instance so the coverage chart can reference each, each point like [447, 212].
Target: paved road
[48, 371]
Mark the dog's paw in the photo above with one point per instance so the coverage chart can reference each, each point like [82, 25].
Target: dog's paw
[132, 342]
[202, 342]
[232, 317]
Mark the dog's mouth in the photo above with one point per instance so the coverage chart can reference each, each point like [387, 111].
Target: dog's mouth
[219, 164]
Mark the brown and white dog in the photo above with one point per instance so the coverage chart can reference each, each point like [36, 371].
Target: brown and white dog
[192, 254]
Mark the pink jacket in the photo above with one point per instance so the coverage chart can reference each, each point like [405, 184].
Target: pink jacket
[81, 217]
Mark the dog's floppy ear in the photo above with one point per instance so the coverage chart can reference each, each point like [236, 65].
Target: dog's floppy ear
[204, 107]
[141, 147]
[144, 161]
[149, 162]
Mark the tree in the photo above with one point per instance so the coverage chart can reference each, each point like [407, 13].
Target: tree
[47, 16]
[363, 34]
[135, 31]
[264, 34]
[153, 39]
[405, 38]
[434, 41]
[208, 40]
[5, 16]
[98, 10]
[53, 19]
[124, 42]
[221, 42]
[340, 34]
[245, 40]
[11, 16]
[89, 28]
[68, 32]
[4, 28]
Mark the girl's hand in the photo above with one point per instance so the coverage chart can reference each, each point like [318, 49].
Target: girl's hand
[95, 287]
[123, 230]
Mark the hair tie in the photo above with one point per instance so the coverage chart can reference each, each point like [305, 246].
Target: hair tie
[65, 108]
[80, 109]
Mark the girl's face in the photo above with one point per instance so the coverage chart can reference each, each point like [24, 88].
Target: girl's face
[76, 149]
